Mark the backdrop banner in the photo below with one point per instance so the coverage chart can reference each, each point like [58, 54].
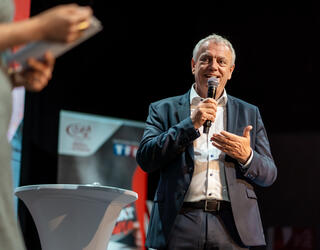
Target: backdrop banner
[101, 150]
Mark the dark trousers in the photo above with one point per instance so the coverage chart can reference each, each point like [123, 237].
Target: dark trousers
[196, 229]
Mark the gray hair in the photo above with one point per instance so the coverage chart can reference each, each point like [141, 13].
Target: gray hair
[216, 39]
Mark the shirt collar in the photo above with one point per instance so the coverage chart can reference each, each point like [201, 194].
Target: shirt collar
[194, 97]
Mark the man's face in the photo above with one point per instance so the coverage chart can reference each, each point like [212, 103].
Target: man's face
[212, 60]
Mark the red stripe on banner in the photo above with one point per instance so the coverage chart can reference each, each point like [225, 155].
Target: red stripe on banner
[140, 185]
[22, 9]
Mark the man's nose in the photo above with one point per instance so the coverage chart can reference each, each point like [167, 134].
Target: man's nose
[213, 65]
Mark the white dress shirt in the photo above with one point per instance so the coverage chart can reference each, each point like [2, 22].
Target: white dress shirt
[208, 180]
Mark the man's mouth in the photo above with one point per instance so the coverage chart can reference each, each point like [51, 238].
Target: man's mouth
[209, 76]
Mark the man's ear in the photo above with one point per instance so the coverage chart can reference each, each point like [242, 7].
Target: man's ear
[193, 66]
[231, 70]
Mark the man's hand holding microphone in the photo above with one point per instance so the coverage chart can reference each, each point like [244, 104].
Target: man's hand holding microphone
[205, 112]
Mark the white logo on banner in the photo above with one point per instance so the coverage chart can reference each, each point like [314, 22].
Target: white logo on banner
[82, 134]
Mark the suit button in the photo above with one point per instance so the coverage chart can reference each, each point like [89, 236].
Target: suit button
[250, 176]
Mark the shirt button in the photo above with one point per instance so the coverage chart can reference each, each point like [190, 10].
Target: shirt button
[211, 174]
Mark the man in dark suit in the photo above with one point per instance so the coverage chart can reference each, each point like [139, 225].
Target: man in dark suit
[205, 197]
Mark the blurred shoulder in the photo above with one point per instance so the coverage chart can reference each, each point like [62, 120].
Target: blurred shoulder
[6, 10]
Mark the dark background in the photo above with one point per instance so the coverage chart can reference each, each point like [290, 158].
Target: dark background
[144, 53]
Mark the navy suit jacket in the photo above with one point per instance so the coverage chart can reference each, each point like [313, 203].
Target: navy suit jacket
[167, 145]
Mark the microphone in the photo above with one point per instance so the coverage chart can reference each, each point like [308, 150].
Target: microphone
[212, 87]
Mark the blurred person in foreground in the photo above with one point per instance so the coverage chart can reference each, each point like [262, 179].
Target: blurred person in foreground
[205, 197]
[58, 24]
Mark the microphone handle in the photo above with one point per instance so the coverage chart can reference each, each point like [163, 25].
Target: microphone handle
[207, 123]
[206, 126]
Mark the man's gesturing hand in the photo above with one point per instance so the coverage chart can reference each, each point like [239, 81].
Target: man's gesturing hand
[238, 147]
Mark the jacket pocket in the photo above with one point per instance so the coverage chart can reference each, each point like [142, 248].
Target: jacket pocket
[251, 194]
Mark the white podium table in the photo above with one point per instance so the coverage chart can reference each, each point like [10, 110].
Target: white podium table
[74, 217]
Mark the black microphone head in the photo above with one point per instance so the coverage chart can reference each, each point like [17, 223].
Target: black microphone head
[213, 81]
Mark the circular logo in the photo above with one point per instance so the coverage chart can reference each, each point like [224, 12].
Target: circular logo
[78, 130]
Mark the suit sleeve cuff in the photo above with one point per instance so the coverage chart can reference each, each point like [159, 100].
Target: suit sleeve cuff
[245, 165]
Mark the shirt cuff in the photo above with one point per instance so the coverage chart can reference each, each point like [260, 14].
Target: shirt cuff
[248, 161]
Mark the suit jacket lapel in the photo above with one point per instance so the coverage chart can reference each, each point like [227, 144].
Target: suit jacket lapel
[232, 120]
[232, 115]
[184, 107]
[183, 113]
